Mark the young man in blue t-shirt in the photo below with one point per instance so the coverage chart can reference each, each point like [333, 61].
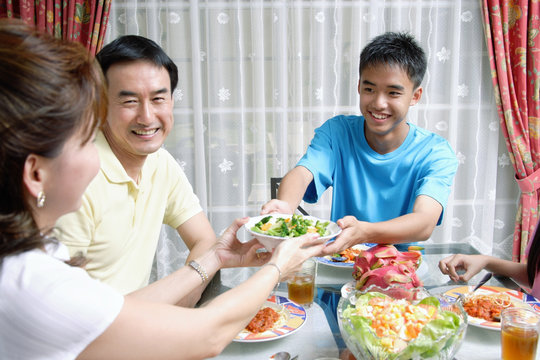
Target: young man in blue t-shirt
[391, 179]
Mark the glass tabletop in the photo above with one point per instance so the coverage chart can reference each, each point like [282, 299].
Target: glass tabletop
[330, 280]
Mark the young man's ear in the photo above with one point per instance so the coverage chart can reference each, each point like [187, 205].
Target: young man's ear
[417, 95]
[33, 174]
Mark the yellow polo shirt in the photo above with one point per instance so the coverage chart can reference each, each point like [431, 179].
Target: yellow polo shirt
[117, 227]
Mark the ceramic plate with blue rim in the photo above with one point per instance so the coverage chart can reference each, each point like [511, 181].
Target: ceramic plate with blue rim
[342, 263]
[292, 318]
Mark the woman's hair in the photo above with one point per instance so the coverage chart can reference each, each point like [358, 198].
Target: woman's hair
[49, 90]
[533, 258]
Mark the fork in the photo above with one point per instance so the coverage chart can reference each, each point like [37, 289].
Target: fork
[484, 280]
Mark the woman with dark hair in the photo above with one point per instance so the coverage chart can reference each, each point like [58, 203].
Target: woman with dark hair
[52, 98]
[525, 274]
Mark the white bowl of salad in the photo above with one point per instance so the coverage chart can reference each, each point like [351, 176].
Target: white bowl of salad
[272, 229]
[375, 325]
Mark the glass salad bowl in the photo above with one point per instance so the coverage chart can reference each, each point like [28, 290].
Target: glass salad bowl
[397, 323]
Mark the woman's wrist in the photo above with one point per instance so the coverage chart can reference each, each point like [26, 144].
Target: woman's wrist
[275, 266]
[209, 264]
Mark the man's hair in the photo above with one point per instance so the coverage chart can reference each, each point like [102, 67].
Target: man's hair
[130, 48]
[396, 49]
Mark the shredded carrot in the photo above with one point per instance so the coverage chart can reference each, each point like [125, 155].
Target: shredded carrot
[265, 227]
[350, 254]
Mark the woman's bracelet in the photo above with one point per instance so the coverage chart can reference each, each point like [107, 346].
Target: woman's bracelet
[277, 268]
[200, 270]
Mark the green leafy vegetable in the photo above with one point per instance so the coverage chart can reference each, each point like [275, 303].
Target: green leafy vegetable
[436, 336]
[294, 226]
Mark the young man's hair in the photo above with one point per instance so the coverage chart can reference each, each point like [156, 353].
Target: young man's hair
[396, 49]
[131, 48]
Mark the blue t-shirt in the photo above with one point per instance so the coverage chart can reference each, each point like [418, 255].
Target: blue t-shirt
[371, 186]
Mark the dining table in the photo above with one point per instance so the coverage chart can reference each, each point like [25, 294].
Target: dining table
[319, 336]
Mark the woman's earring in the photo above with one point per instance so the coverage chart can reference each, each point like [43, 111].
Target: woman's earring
[40, 199]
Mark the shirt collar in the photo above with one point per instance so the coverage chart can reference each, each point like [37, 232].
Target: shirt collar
[110, 165]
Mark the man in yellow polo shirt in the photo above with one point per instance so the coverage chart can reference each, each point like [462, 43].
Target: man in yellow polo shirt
[140, 186]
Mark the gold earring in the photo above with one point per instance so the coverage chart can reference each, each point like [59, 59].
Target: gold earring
[40, 199]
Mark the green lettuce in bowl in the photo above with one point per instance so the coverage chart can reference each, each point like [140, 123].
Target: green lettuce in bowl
[370, 336]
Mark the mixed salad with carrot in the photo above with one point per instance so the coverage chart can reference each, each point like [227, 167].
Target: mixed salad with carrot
[399, 329]
[294, 226]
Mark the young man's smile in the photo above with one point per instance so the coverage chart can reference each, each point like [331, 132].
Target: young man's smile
[386, 93]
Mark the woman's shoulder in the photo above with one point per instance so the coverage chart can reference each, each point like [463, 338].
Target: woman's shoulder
[36, 272]
[43, 277]
[70, 309]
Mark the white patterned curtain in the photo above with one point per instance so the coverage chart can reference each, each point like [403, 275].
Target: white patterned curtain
[257, 77]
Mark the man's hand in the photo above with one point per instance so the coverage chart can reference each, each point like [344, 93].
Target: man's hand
[352, 233]
[233, 253]
[276, 206]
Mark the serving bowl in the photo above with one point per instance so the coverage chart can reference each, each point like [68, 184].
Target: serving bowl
[270, 242]
[439, 339]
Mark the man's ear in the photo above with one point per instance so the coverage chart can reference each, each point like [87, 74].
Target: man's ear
[417, 95]
[33, 174]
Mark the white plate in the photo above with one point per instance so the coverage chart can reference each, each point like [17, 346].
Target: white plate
[295, 318]
[348, 288]
[270, 242]
[518, 299]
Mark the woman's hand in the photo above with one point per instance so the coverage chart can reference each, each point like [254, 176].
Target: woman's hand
[291, 253]
[231, 252]
[472, 264]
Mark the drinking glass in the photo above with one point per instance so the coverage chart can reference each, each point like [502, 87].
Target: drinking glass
[519, 333]
[301, 285]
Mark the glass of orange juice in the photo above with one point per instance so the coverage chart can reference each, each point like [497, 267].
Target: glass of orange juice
[519, 333]
[301, 285]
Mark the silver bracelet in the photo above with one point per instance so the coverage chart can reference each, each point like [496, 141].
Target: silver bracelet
[277, 267]
[199, 269]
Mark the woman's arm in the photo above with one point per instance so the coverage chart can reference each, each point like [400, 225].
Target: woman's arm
[161, 331]
[227, 252]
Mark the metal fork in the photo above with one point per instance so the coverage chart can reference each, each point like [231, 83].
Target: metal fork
[484, 280]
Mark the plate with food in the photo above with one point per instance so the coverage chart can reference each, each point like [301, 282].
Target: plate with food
[343, 259]
[277, 318]
[484, 306]
[272, 229]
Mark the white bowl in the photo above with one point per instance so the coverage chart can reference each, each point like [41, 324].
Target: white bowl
[270, 242]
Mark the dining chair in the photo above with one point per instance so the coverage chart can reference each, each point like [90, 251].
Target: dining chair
[274, 185]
